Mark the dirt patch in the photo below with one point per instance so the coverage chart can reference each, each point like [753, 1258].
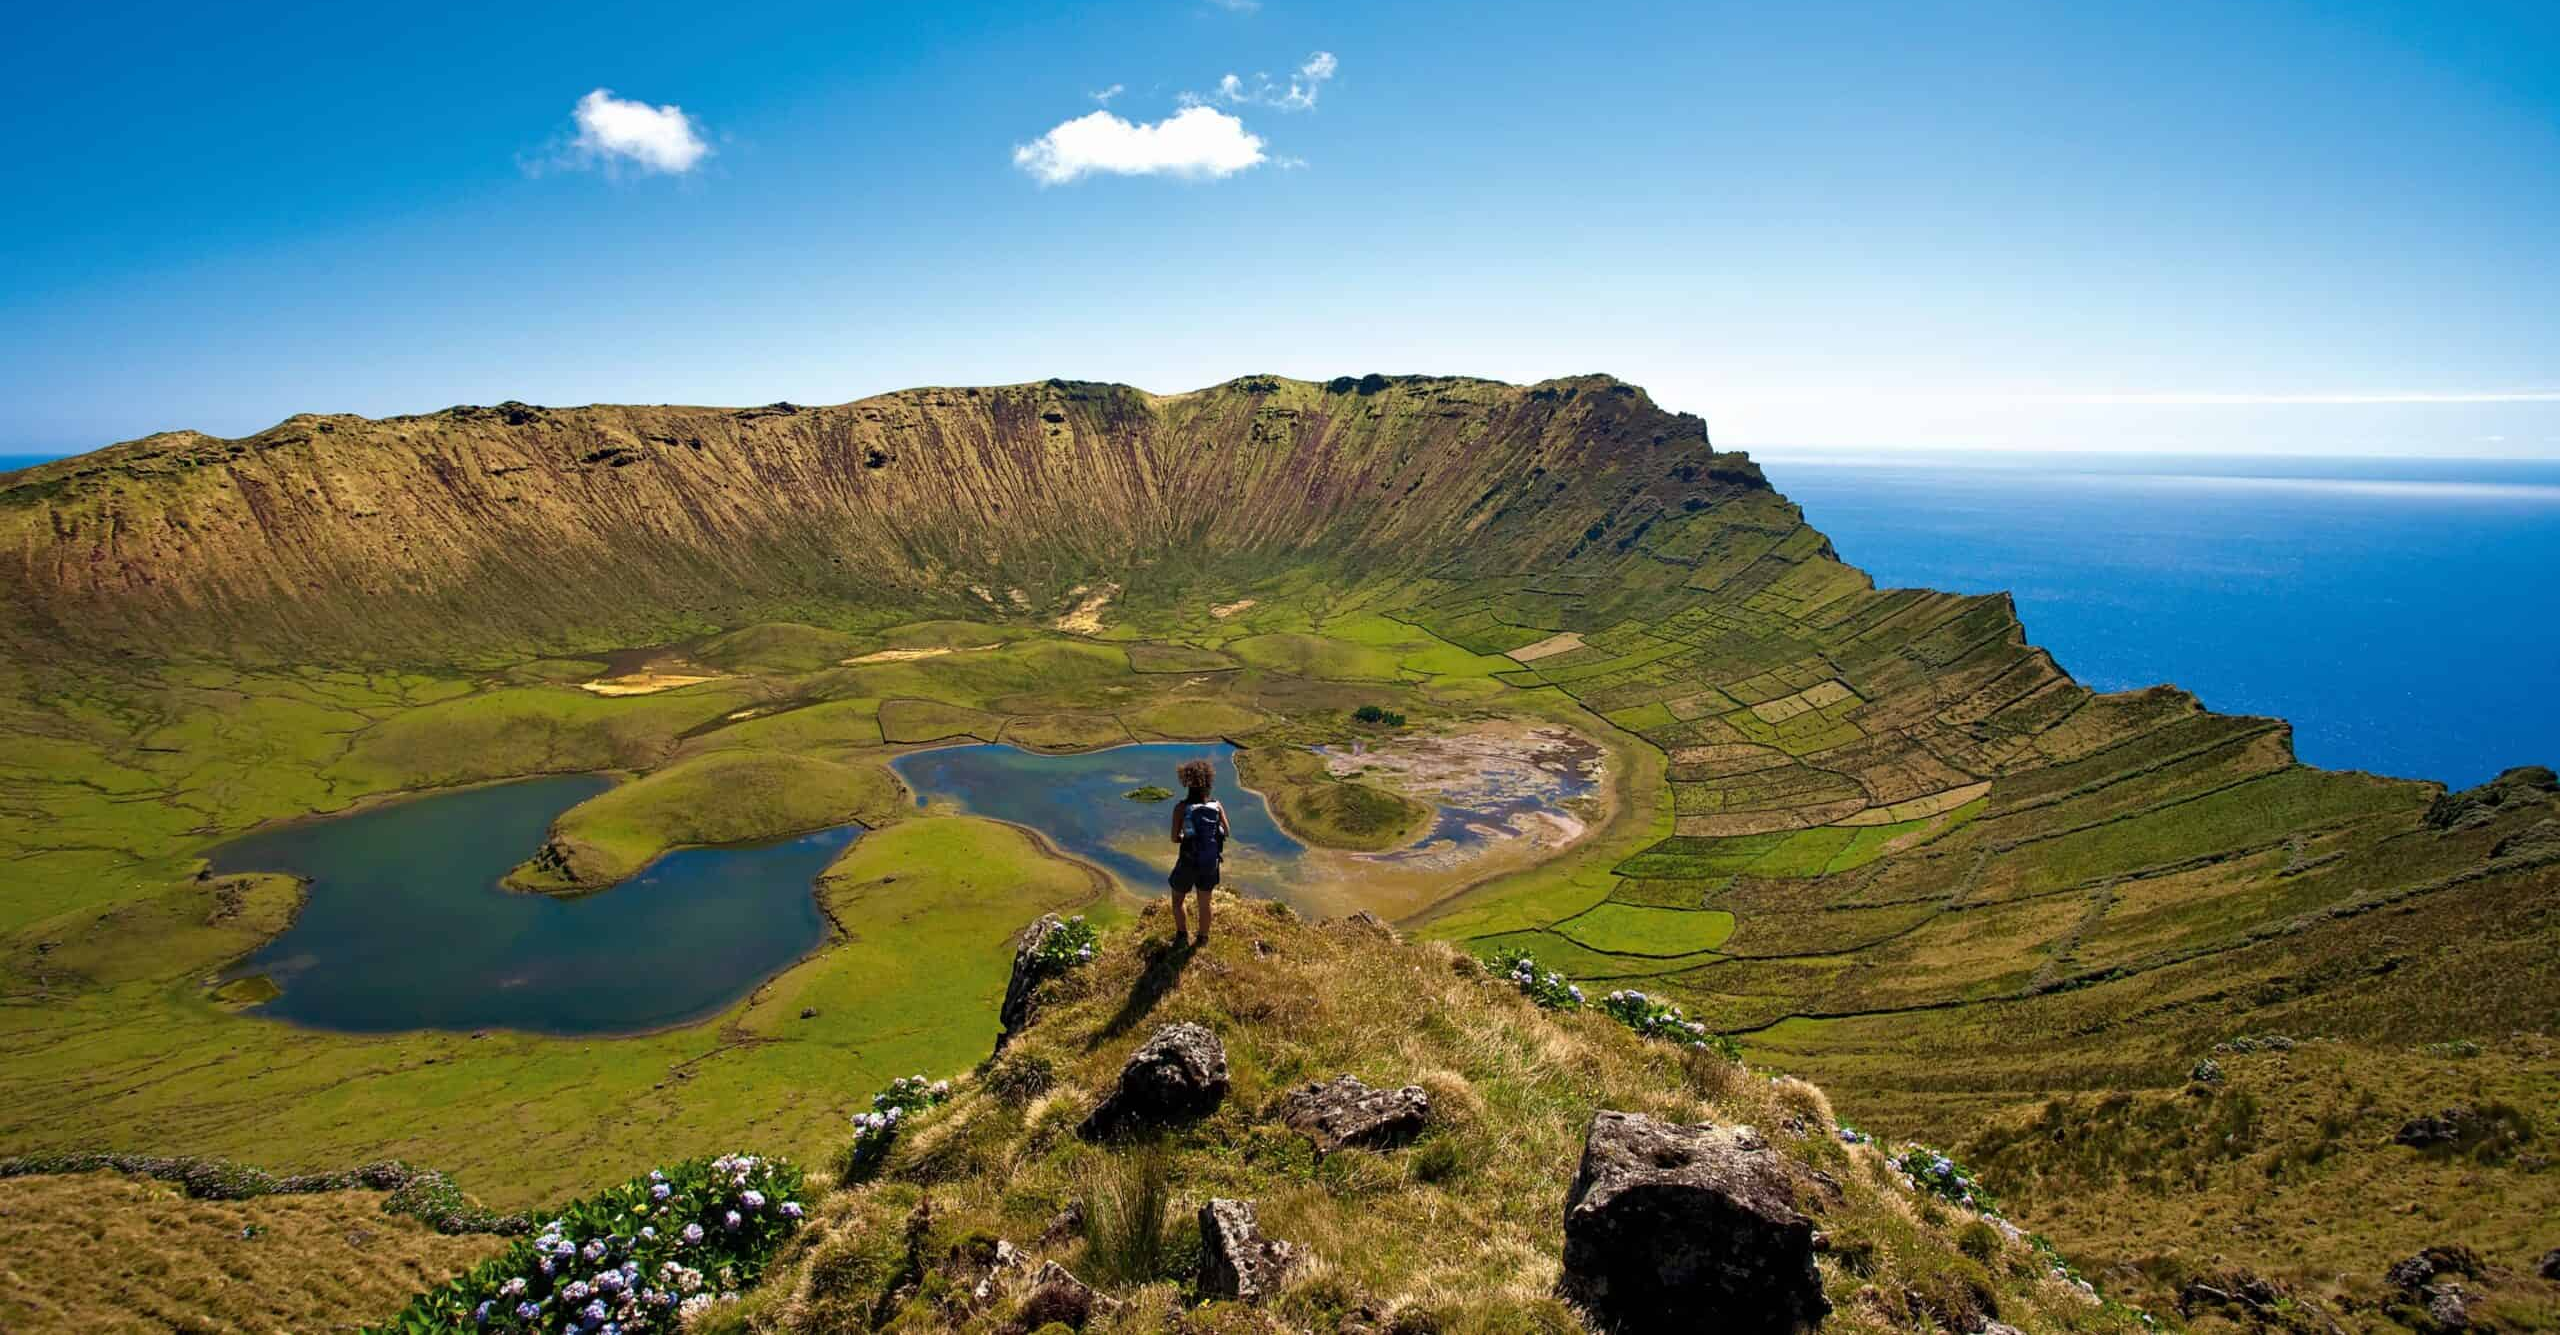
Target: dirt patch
[643, 683]
[1086, 619]
[1493, 785]
[1548, 648]
[1224, 610]
[910, 655]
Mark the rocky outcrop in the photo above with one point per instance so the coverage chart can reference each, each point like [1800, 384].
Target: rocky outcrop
[2523, 786]
[1672, 1227]
[2431, 1283]
[1343, 1111]
[2428, 1130]
[2550, 1269]
[1236, 1261]
[1178, 1073]
[1016, 1011]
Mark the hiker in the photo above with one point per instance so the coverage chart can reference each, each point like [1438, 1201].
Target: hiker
[1200, 829]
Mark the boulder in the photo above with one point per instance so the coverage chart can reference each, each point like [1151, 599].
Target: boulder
[1347, 1112]
[2551, 1265]
[1671, 1227]
[2428, 1130]
[1236, 1261]
[1016, 1011]
[2448, 1307]
[2434, 1263]
[1178, 1073]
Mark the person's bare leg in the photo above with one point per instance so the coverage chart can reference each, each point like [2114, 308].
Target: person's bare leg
[1181, 928]
[1204, 915]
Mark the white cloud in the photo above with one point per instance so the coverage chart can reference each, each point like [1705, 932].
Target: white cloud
[1238, 6]
[1299, 94]
[613, 131]
[1104, 97]
[1197, 141]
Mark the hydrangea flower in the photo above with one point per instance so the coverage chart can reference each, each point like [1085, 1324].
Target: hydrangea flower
[734, 1219]
[693, 1232]
[753, 1200]
[791, 1209]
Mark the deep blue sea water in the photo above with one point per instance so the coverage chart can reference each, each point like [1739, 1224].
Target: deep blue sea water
[2405, 615]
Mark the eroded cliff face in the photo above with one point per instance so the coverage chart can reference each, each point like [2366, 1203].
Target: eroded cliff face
[346, 535]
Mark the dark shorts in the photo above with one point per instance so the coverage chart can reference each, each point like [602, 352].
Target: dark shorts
[1188, 875]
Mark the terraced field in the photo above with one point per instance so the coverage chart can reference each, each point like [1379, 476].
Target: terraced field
[1875, 833]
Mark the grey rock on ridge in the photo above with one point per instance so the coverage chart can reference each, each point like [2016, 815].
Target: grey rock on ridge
[1180, 1072]
[1016, 1011]
[1236, 1261]
[1343, 1111]
[1672, 1227]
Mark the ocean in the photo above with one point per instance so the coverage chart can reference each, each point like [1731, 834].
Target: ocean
[2403, 614]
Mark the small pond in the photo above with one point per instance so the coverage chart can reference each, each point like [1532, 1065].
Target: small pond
[1082, 803]
[406, 926]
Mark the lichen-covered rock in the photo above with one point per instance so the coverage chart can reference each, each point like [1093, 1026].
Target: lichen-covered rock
[1343, 1111]
[1178, 1073]
[1236, 1261]
[2448, 1307]
[1671, 1227]
[1016, 1011]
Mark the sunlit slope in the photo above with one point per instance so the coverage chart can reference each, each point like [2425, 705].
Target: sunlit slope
[497, 526]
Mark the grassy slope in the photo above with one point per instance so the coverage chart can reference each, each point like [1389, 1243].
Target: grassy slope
[105, 1252]
[2275, 1167]
[1459, 1232]
[1921, 861]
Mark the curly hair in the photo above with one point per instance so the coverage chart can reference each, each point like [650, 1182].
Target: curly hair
[1196, 775]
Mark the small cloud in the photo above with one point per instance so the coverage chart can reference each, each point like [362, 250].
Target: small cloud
[614, 132]
[1104, 97]
[1289, 164]
[1238, 6]
[1298, 94]
[1197, 141]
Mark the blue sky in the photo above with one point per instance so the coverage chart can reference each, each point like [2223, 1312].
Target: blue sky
[2229, 226]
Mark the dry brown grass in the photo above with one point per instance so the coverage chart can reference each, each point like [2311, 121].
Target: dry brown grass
[107, 1252]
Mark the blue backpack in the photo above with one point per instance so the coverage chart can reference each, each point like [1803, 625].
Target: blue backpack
[1204, 836]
